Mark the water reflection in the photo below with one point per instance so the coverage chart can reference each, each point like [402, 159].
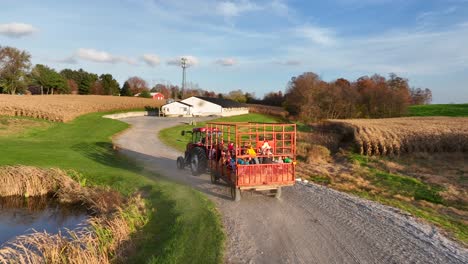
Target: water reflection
[20, 216]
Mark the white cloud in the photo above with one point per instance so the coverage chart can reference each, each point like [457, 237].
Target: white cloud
[191, 60]
[226, 62]
[406, 52]
[151, 60]
[232, 9]
[16, 30]
[102, 56]
[280, 7]
[318, 35]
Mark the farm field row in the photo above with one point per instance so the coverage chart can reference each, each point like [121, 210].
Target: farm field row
[63, 108]
[84, 145]
[394, 136]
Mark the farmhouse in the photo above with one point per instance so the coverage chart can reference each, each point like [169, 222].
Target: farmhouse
[178, 108]
[204, 106]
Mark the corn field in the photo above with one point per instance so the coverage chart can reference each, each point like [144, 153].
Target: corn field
[393, 136]
[63, 108]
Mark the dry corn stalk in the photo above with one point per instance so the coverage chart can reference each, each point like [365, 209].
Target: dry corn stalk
[393, 136]
[63, 108]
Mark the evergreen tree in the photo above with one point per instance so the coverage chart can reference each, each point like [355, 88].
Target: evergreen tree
[126, 90]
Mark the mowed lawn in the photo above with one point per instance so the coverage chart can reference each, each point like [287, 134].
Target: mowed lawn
[439, 110]
[172, 137]
[184, 227]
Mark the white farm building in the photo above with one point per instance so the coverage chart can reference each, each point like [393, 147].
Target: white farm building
[204, 106]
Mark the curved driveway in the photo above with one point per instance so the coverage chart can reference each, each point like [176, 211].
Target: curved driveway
[309, 224]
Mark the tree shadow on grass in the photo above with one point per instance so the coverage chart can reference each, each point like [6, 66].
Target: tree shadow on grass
[104, 153]
[136, 162]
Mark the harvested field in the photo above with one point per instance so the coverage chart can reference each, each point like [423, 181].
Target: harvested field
[393, 136]
[63, 108]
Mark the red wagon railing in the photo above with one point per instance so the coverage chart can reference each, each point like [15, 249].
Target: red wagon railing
[230, 160]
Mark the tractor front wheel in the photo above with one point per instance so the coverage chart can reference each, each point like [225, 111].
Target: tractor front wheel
[198, 161]
[180, 163]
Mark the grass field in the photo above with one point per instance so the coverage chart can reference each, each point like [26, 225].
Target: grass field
[184, 226]
[171, 136]
[439, 110]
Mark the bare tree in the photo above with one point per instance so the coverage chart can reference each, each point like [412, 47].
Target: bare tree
[137, 85]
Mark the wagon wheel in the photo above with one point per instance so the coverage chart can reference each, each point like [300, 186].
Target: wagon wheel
[278, 193]
[213, 177]
[235, 193]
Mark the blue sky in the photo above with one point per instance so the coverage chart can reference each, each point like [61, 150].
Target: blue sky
[256, 46]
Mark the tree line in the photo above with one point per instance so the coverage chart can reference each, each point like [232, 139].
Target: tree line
[307, 96]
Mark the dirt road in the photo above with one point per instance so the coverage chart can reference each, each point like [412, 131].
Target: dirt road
[309, 224]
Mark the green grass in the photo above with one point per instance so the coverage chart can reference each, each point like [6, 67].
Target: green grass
[184, 226]
[439, 110]
[172, 137]
[396, 184]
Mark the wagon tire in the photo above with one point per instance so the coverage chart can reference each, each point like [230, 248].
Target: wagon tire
[278, 193]
[198, 161]
[180, 163]
[213, 177]
[235, 193]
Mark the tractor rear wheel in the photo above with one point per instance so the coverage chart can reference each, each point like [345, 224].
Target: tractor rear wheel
[180, 163]
[198, 161]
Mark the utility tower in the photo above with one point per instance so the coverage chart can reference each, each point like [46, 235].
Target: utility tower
[184, 65]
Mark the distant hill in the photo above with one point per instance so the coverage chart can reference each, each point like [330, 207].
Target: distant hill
[439, 110]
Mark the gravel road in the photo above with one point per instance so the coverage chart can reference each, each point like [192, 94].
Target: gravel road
[309, 224]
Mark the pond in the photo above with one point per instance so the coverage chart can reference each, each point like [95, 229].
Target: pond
[19, 216]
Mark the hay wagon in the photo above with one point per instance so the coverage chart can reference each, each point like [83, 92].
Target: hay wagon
[247, 156]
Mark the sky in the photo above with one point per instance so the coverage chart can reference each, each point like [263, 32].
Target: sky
[255, 46]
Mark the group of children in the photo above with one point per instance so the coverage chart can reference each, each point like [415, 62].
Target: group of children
[249, 156]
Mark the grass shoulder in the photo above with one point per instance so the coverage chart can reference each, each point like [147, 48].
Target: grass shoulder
[369, 178]
[179, 215]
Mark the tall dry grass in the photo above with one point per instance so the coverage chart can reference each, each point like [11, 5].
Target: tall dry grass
[393, 136]
[268, 110]
[31, 181]
[63, 108]
[105, 239]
